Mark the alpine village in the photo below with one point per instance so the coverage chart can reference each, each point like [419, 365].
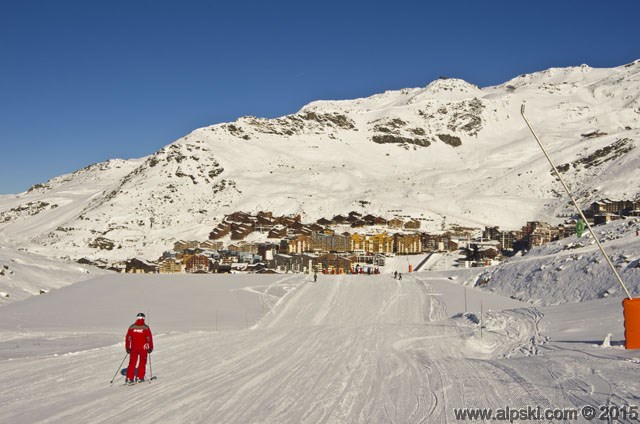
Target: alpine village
[350, 244]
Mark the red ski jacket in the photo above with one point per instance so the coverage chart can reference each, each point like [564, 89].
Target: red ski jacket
[139, 337]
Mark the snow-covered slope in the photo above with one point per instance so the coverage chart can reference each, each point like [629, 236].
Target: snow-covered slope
[349, 349]
[572, 269]
[24, 274]
[451, 151]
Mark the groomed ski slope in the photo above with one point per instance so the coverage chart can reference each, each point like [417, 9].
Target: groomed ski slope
[347, 349]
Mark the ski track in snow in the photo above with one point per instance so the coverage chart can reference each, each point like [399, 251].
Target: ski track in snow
[347, 349]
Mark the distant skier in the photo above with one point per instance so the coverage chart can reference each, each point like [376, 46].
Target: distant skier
[315, 277]
[395, 275]
[399, 276]
[138, 342]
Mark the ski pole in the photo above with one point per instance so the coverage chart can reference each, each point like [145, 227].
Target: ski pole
[150, 369]
[118, 370]
[613, 268]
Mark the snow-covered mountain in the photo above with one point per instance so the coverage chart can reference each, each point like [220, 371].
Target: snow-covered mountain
[450, 152]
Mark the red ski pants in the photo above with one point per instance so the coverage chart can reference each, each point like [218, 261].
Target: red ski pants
[142, 365]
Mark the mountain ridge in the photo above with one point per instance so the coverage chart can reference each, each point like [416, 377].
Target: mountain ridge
[450, 151]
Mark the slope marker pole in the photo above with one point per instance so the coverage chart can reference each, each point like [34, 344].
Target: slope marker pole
[593, 234]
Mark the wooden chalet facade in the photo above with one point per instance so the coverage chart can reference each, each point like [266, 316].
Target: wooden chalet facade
[181, 245]
[412, 224]
[137, 266]
[198, 264]
[395, 223]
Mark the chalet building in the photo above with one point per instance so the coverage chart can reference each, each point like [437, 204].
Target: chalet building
[395, 223]
[242, 247]
[198, 264]
[278, 232]
[219, 267]
[372, 243]
[379, 243]
[288, 221]
[248, 258]
[339, 220]
[298, 244]
[284, 247]
[379, 221]
[407, 243]
[240, 231]
[192, 251]
[566, 229]
[257, 267]
[539, 233]
[324, 222]
[264, 223]
[333, 263]
[182, 245]
[137, 266]
[238, 218]
[438, 242]
[330, 243]
[265, 214]
[491, 233]
[287, 263]
[267, 250]
[508, 239]
[170, 266]
[211, 245]
[353, 215]
[480, 255]
[302, 229]
[220, 231]
[603, 218]
[234, 248]
[612, 206]
[294, 225]
[358, 223]
[369, 219]
[315, 228]
[412, 224]
[536, 226]
[357, 243]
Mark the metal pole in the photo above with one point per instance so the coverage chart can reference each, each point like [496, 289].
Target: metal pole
[118, 370]
[465, 299]
[481, 317]
[613, 268]
[150, 369]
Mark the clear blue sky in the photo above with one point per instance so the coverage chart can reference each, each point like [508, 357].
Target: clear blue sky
[86, 81]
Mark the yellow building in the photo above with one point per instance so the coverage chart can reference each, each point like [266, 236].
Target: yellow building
[170, 266]
[372, 243]
[408, 243]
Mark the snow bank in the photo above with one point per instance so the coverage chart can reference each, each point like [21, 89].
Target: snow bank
[572, 270]
[24, 274]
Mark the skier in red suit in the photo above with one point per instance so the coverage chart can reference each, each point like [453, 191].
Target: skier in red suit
[138, 343]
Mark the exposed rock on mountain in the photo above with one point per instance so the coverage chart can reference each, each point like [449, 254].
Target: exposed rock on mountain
[451, 153]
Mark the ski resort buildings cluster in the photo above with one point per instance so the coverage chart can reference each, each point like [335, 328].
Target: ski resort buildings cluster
[352, 243]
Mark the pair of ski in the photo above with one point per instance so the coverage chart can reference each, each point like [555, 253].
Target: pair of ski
[134, 383]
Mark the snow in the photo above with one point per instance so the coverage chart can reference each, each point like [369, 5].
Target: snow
[280, 348]
[543, 329]
[24, 274]
[572, 270]
[320, 168]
